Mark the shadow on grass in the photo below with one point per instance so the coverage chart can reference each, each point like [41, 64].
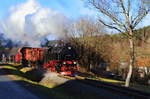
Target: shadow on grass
[34, 75]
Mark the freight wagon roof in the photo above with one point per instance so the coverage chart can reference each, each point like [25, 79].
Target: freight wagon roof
[25, 48]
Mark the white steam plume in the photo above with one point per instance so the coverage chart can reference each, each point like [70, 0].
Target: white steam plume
[29, 23]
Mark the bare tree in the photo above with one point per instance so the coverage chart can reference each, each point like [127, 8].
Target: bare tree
[83, 33]
[86, 27]
[123, 16]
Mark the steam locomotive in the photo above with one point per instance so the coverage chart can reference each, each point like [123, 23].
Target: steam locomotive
[60, 58]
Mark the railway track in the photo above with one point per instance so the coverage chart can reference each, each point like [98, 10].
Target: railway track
[135, 94]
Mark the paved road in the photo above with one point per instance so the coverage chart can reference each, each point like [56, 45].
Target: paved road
[10, 90]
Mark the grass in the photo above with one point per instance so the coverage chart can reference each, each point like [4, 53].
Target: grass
[25, 69]
[110, 80]
[101, 79]
[19, 74]
[16, 74]
[10, 68]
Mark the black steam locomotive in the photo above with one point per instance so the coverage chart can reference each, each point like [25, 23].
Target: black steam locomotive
[56, 58]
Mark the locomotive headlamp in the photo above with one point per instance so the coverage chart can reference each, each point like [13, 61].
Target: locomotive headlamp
[64, 62]
[69, 47]
[74, 62]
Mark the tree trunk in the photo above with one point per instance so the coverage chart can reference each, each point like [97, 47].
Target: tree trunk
[131, 63]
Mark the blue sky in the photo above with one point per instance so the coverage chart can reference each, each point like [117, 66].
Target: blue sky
[5, 6]
[70, 8]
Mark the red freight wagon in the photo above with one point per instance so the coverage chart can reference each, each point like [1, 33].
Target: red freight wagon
[31, 55]
[17, 57]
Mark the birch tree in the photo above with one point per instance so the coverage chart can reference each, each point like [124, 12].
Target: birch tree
[123, 16]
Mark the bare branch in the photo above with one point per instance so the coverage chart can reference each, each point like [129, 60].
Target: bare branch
[108, 14]
[142, 12]
[123, 7]
[126, 13]
[129, 8]
[139, 18]
[110, 26]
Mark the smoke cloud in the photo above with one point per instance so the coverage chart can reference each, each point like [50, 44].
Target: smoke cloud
[29, 23]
